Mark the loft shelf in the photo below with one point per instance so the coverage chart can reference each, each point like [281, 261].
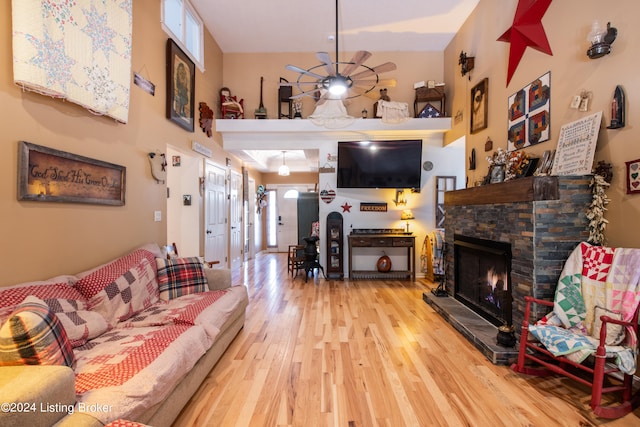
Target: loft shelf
[244, 131]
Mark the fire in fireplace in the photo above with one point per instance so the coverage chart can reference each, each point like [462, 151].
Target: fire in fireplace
[482, 277]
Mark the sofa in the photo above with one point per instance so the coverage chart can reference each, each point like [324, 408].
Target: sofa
[131, 340]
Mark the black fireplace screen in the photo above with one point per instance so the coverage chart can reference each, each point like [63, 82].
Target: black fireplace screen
[482, 277]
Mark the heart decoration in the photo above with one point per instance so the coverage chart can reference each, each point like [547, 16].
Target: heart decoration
[327, 196]
[634, 166]
[635, 184]
[634, 175]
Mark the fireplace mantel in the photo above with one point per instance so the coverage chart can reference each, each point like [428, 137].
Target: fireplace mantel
[530, 189]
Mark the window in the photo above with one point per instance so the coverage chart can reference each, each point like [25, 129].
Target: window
[182, 23]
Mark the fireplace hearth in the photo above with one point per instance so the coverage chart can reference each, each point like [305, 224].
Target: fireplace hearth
[483, 277]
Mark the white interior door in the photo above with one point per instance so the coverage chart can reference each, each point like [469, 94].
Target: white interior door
[215, 243]
[287, 220]
[235, 220]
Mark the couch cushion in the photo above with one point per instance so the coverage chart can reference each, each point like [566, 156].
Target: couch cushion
[133, 369]
[180, 276]
[122, 288]
[33, 335]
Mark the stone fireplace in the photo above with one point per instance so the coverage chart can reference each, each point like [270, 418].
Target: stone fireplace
[540, 219]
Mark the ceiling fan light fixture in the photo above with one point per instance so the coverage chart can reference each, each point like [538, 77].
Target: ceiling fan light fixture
[337, 85]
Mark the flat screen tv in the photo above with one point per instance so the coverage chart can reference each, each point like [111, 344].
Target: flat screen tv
[380, 164]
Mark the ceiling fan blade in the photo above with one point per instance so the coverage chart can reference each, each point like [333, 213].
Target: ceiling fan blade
[303, 71]
[382, 68]
[299, 83]
[326, 61]
[369, 93]
[305, 93]
[357, 60]
[384, 82]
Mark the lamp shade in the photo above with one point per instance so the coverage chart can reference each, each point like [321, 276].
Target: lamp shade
[407, 214]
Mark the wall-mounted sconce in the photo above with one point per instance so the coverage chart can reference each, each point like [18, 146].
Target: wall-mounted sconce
[400, 200]
[601, 40]
[466, 63]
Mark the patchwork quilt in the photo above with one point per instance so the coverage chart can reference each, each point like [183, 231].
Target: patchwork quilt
[132, 367]
[594, 278]
[78, 50]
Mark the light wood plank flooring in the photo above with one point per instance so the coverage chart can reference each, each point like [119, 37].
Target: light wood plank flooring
[366, 353]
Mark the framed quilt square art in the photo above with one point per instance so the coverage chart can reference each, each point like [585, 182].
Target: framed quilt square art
[633, 177]
[529, 115]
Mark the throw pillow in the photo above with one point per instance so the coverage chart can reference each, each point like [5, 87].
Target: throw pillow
[33, 335]
[615, 333]
[80, 324]
[180, 276]
[58, 287]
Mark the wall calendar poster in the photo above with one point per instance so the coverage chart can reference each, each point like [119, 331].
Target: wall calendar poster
[577, 146]
[529, 114]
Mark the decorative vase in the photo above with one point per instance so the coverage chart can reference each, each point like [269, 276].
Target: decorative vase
[384, 264]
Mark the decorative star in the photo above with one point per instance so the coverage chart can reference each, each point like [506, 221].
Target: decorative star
[346, 207]
[527, 30]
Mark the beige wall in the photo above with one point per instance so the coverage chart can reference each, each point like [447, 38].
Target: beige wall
[40, 240]
[242, 74]
[567, 24]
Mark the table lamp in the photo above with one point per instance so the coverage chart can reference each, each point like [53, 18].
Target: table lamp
[407, 215]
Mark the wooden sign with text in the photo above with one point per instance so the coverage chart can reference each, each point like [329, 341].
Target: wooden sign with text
[49, 175]
[373, 207]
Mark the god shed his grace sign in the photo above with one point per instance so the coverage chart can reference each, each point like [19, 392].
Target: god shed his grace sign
[45, 174]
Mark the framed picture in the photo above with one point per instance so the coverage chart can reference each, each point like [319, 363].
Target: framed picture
[496, 174]
[181, 74]
[529, 118]
[48, 175]
[633, 177]
[479, 106]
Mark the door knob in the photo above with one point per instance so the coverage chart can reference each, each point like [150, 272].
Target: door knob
[208, 231]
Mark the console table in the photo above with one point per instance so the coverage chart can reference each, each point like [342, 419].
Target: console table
[383, 241]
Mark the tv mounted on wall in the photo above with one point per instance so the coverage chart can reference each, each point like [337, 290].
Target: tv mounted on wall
[380, 164]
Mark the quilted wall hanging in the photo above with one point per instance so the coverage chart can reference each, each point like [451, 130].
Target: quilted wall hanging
[529, 114]
[77, 50]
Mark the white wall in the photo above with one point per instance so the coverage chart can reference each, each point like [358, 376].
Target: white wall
[447, 161]
[183, 221]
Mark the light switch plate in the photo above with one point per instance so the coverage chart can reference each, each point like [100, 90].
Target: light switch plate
[157, 216]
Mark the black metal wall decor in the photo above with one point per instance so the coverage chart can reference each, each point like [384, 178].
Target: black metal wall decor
[617, 109]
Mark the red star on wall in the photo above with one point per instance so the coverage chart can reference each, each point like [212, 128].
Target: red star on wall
[527, 30]
[346, 207]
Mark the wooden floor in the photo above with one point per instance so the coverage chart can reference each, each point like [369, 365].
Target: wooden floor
[366, 353]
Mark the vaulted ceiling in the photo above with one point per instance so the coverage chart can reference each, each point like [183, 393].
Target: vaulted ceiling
[275, 26]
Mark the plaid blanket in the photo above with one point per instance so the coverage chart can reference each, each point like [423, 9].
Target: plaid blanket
[593, 277]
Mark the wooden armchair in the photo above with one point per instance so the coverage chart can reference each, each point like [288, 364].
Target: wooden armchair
[591, 334]
[230, 107]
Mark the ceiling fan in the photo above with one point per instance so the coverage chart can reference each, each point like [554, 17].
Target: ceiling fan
[354, 80]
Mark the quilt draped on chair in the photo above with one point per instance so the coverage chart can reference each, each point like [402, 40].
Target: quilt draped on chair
[593, 278]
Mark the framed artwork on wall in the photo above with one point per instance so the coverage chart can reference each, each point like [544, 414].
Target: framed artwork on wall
[633, 177]
[49, 175]
[529, 115]
[181, 74]
[479, 106]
